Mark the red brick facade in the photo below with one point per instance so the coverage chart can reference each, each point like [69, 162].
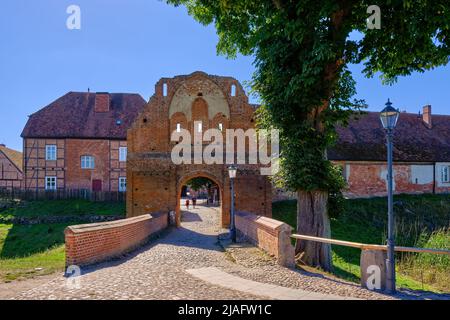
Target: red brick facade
[75, 142]
[369, 179]
[421, 154]
[67, 167]
[154, 181]
[95, 124]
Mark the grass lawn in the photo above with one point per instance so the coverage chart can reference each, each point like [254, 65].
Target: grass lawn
[29, 250]
[365, 221]
[38, 249]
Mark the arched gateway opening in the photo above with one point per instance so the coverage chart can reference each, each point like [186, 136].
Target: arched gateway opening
[198, 191]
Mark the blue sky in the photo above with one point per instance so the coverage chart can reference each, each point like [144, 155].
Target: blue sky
[126, 46]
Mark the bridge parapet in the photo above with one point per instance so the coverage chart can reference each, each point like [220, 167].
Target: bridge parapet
[95, 242]
[270, 235]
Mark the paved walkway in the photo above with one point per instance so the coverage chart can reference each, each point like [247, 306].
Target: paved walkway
[190, 263]
[223, 279]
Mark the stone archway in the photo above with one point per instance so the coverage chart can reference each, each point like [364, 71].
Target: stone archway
[204, 174]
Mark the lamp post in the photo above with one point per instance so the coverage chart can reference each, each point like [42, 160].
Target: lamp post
[389, 117]
[232, 170]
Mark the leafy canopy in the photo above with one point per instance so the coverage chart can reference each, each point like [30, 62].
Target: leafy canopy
[198, 183]
[302, 49]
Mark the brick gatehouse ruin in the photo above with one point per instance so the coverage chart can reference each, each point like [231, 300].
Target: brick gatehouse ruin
[154, 182]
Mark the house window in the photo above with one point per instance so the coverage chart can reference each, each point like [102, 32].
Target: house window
[87, 162]
[165, 89]
[445, 174]
[50, 183]
[220, 127]
[123, 154]
[50, 152]
[199, 127]
[178, 127]
[122, 184]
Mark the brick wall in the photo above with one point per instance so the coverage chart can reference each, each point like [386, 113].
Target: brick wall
[67, 168]
[270, 235]
[154, 182]
[369, 179]
[90, 243]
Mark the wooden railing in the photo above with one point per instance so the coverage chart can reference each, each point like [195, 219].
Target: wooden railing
[364, 246]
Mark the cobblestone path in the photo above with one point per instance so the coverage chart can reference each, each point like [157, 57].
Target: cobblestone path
[159, 270]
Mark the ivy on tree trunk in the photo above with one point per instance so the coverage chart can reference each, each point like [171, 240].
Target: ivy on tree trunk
[313, 219]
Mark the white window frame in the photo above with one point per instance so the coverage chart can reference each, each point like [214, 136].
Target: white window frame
[87, 162]
[51, 183]
[178, 127]
[220, 126]
[445, 174]
[123, 154]
[122, 184]
[51, 152]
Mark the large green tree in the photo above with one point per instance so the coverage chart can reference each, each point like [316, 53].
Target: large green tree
[198, 183]
[302, 50]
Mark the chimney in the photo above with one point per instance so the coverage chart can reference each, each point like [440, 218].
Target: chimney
[101, 102]
[427, 116]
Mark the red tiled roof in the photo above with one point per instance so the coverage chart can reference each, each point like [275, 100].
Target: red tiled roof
[364, 139]
[73, 116]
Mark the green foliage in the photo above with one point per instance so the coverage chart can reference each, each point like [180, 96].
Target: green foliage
[432, 269]
[24, 240]
[198, 183]
[62, 208]
[336, 200]
[30, 250]
[302, 49]
[38, 249]
[421, 221]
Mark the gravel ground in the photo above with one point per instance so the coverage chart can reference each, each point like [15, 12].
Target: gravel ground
[158, 270]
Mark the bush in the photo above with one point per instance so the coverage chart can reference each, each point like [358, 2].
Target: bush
[430, 268]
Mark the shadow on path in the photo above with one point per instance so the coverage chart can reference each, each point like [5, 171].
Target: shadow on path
[188, 235]
[187, 216]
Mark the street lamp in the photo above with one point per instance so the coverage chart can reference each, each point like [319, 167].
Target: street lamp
[389, 117]
[232, 170]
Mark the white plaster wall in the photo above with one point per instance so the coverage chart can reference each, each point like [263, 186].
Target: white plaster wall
[347, 172]
[384, 176]
[422, 174]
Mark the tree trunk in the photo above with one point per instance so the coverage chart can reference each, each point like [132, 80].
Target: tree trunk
[313, 220]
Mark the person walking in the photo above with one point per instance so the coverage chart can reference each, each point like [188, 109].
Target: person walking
[194, 201]
[187, 204]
